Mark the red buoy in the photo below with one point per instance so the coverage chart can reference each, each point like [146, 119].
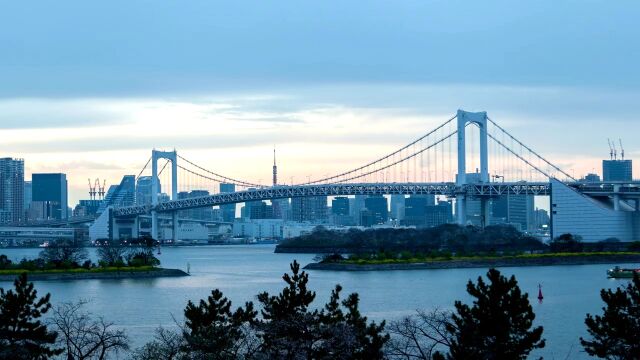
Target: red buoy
[540, 297]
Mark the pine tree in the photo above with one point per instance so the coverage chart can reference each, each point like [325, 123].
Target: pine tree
[614, 334]
[497, 326]
[213, 331]
[22, 334]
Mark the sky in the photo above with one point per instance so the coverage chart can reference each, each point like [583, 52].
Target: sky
[89, 88]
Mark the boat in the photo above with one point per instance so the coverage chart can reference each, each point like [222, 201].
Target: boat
[618, 272]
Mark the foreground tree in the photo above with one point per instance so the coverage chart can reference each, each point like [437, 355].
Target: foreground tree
[419, 336]
[213, 331]
[84, 337]
[289, 330]
[497, 326]
[111, 254]
[614, 334]
[22, 334]
[166, 345]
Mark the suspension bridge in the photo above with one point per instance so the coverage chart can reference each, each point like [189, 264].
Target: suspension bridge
[435, 163]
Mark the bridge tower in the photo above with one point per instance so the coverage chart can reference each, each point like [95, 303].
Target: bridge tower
[480, 119]
[173, 157]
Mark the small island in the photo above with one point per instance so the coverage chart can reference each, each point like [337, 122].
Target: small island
[66, 261]
[451, 246]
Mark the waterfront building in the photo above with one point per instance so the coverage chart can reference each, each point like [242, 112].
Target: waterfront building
[33, 236]
[11, 191]
[49, 196]
[123, 194]
[593, 220]
[228, 211]
[259, 229]
[415, 211]
[617, 170]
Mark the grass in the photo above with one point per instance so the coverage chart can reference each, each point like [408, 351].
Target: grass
[79, 270]
[481, 257]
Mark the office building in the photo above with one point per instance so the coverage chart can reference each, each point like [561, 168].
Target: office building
[143, 190]
[281, 209]
[312, 209]
[439, 214]
[49, 196]
[516, 210]
[617, 170]
[591, 178]
[87, 207]
[340, 211]
[201, 213]
[377, 210]
[397, 207]
[123, 194]
[415, 211]
[356, 206]
[11, 190]
[228, 211]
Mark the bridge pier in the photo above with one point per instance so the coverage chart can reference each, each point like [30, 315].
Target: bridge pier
[461, 209]
[154, 225]
[174, 222]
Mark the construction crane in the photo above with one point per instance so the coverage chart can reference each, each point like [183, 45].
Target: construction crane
[101, 191]
[611, 151]
[92, 190]
[621, 149]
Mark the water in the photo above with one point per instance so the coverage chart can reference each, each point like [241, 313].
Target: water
[241, 272]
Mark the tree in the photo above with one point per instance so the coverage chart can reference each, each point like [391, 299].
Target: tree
[111, 254]
[614, 333]
[419, 336]
[289, 330]
[213, 331]
[63, 252]
[84, 337]
[497, 326]
[22, 334]
[166, 345]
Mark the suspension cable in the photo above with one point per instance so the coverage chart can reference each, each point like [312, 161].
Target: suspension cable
[380, 159]
[518, 156]
[533, 152]
[226, 179]
[143, 169]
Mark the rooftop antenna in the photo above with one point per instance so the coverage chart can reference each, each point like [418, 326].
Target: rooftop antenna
[621, 149]
[610, 149]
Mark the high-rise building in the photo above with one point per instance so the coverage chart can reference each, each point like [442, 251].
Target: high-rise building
[202, 213]
[143, 190]
[378, 207]
[415, 211]
[356, 206]
[49, 195]
[123, 194]
[617, 170]
[27, 200]
[397, 207]
[228, 211]
[313, 208]
[517, 210]
[439, 214]
[340, 211]
[11, 190]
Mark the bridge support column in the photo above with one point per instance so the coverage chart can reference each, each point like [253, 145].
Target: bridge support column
[616, 197]
[461, 209]
[154, 225]
[174, 216]
[485, 210]
[135, 230]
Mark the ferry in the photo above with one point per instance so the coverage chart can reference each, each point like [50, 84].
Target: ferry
[618, 272]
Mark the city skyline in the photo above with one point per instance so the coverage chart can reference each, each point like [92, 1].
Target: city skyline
[94, 108]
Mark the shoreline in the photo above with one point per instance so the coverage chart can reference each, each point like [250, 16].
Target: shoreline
[107, 275]
[480, 263]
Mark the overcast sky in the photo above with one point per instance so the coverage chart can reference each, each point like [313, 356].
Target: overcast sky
[90, 88]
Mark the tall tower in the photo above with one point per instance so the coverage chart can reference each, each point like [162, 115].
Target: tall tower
[275, 168]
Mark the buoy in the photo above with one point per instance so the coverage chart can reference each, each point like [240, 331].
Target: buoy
[540, 297]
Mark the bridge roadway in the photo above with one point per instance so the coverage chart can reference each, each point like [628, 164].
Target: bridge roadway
[282, 192]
